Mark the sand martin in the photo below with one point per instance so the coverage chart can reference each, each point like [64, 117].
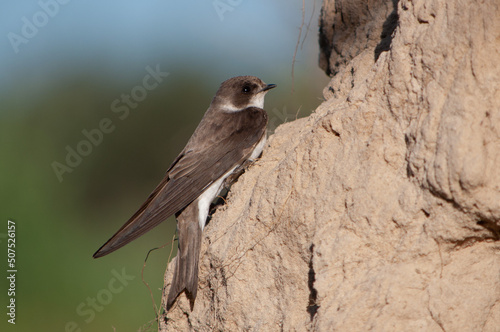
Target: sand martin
[231, 134]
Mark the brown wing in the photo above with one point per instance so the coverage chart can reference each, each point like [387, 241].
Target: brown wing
[221, 141]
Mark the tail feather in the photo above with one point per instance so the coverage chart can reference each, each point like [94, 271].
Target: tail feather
[186, 266]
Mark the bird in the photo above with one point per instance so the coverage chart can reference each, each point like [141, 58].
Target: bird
[230, 136]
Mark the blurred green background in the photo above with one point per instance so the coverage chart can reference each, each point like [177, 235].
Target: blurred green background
[64, 64]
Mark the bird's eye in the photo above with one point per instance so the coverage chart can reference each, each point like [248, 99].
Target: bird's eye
[246, 89]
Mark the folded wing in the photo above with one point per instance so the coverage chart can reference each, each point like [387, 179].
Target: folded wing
[221, 141]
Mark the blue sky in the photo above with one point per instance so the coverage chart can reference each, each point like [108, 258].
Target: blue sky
[228, 37]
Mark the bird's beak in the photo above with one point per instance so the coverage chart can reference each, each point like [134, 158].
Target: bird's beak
[268, 87]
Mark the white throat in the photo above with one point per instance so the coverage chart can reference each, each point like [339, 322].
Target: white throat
[256, 101]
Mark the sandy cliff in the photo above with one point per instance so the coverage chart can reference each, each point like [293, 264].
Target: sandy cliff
[380, 211]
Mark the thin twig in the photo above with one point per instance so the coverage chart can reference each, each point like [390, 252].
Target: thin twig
[142, 274]
[298, 42]
[309, 23]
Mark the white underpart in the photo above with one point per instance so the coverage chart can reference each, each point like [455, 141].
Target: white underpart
[208, 196]
[211, 192]
[258, 149]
